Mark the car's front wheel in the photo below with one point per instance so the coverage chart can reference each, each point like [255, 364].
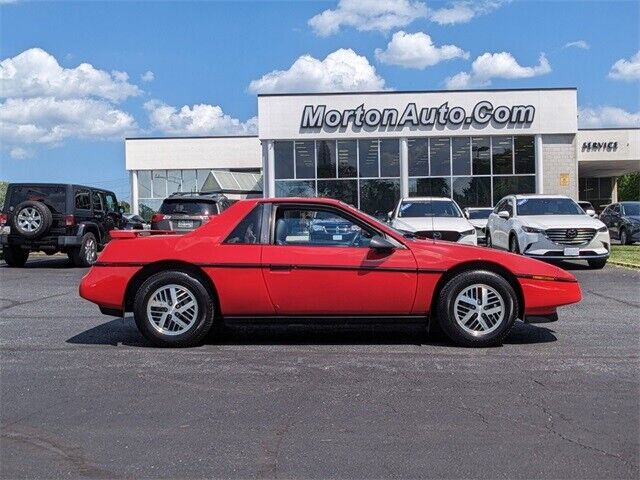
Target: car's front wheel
[624, 238]
[514, 245]
[488, 239]
[174, 309]
[477, 308]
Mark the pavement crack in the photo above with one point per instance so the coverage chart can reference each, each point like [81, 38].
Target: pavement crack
[607, 297]
[15, 303]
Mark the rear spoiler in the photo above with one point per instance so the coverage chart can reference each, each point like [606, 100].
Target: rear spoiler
[123, 234]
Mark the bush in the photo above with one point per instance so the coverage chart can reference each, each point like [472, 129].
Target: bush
[629, 187]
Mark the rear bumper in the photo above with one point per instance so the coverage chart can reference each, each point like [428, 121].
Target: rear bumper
[53, 242]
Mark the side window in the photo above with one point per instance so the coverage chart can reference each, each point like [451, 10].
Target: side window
[615, 209]
[318, 227]
[96, 200]
[508, 206]
[83, 200]
[112, 203]
[249, 229]
[499, 207]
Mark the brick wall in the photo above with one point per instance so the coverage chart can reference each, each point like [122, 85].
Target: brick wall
[559, 157]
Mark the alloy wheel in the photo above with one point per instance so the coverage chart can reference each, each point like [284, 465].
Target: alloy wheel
[623, 237]
[90, 250]
[479, 309]
[29, 219]
[172, 309]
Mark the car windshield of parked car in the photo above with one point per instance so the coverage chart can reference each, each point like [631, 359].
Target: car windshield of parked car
[437, 208]
[548, 206]
[182, 207]
[479, 214]
[631, 209]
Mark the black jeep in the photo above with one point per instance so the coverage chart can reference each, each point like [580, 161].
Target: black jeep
[51, 217]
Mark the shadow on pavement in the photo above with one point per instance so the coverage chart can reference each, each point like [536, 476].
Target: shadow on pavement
[119, 331]
[42, 261]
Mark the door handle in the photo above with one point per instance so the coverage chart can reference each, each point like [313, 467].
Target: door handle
[280, 268]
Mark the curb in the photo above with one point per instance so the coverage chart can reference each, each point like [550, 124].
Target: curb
[623, 264]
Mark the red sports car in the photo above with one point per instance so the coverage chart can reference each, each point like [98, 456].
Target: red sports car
[309, 258]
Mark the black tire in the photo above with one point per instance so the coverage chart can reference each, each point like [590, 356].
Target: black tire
[201, 325]
[514, 245]
[597, 264]
[446, 306]
[488, 240]
[624, 237]
[43, 214]
[87, 253]
[15, 256]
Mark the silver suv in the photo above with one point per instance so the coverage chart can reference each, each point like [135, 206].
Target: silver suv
[183, 212]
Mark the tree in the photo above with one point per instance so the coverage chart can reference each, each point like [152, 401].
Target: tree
[125, 206]
[3, 192]
[629, 187]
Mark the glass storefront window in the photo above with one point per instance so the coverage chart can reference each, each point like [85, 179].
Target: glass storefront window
[440, 157]
[461, 156]
[344, 190]
[144, 183]
[326, 151]
[305, 161]
[295, 188]
[481, 155]
[525, 158]
[379, 196]
[502, 150]
[418, 157]
[430, 187]
[189, 183]
[472, 191]
[503, 186]
[347, 158]
[202, 176]
[159, 183]
[283, 159]
[368, 161]
[390, 158]
[174, 181]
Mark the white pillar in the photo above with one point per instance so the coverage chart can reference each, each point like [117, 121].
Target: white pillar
[268, 164]
[539, 165]
[404, 167]
[134, 192]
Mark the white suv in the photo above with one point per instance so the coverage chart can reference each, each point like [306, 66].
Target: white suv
[433, 217]
[548, 227]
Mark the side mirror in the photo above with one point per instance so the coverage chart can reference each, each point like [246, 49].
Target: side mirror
[591, 213]
[504, 214]
[389, 216]
[466, 213]
[381, 244]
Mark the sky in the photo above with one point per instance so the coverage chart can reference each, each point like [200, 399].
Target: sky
[76, 78]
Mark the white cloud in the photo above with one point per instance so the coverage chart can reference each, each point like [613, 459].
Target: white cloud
[367, 15]
[194, 120]
[416, 50]
[463, 11]
[36, 73]
[342, 70]
[607, 116]
[625, 69]
[48, 120]
[496, 65]
[19, 153]
[147, 76]
[577, 44]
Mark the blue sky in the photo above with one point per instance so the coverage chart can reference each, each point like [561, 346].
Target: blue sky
[207, 60]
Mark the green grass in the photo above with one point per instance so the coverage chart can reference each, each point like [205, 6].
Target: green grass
[626, 254]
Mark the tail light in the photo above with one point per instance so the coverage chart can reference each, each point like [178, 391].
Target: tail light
[157, 217]
[69, 220]
[3, 219]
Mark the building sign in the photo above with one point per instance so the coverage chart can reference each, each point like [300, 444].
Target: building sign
[412, 115]
[599, 146]
[564, 179]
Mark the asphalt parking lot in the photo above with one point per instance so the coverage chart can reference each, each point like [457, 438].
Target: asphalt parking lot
[83, 396]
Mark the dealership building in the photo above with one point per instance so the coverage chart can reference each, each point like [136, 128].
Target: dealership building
[371, 148]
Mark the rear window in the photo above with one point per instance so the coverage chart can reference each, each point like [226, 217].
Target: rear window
[184, 207]
[52, 196]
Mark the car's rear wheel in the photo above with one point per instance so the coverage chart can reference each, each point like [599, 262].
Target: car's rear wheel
[597, 264]
[87, 253]
[174, 309]
[15, 256]
[477, 308]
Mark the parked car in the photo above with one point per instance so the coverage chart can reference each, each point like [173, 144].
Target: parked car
[478, 217]
[183, 212]
[53, 217]
[439, 218]
[588, 208]
[623, 221]
[133, 222]
[249, 265]
[551, 227]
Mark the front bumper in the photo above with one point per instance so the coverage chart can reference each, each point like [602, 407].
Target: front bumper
[539, 246]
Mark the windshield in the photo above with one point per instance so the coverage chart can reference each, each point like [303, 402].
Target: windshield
[436, 208]
[182, 207]
[631, 208]
[548, 206]
[479, 214]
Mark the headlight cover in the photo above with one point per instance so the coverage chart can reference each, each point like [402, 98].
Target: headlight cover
[467, 232]
[532, 230]
[603, 229]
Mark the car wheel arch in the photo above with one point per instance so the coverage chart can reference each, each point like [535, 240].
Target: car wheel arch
[478, 265]
[168, 265]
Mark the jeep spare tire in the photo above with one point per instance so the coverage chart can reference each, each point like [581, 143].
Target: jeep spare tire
[31, 219]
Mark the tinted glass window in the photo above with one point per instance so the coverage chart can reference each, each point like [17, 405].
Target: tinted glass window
[377, 197]
[144, 183]
[440, 156]
[297, 226]
[508, 206]
[52, 196]
[472, 191]
[368, 160]
[461, 156]
[418, 157]
[189, 183]
[326, 150]
[83, 200]
[347, 158]
[548, 206]
[503, 186]
[111, 202]
[96, 200]
[248, 230]
[502, 148]
[525, 159]
[344, 190]
[283, 159]
[160, 183]
[631, 209]
[305, 160]
[185, 207]
[479, 214]
[429, 209]
[481, 154]
[389, 158]
[301, 188]
[429, 187]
